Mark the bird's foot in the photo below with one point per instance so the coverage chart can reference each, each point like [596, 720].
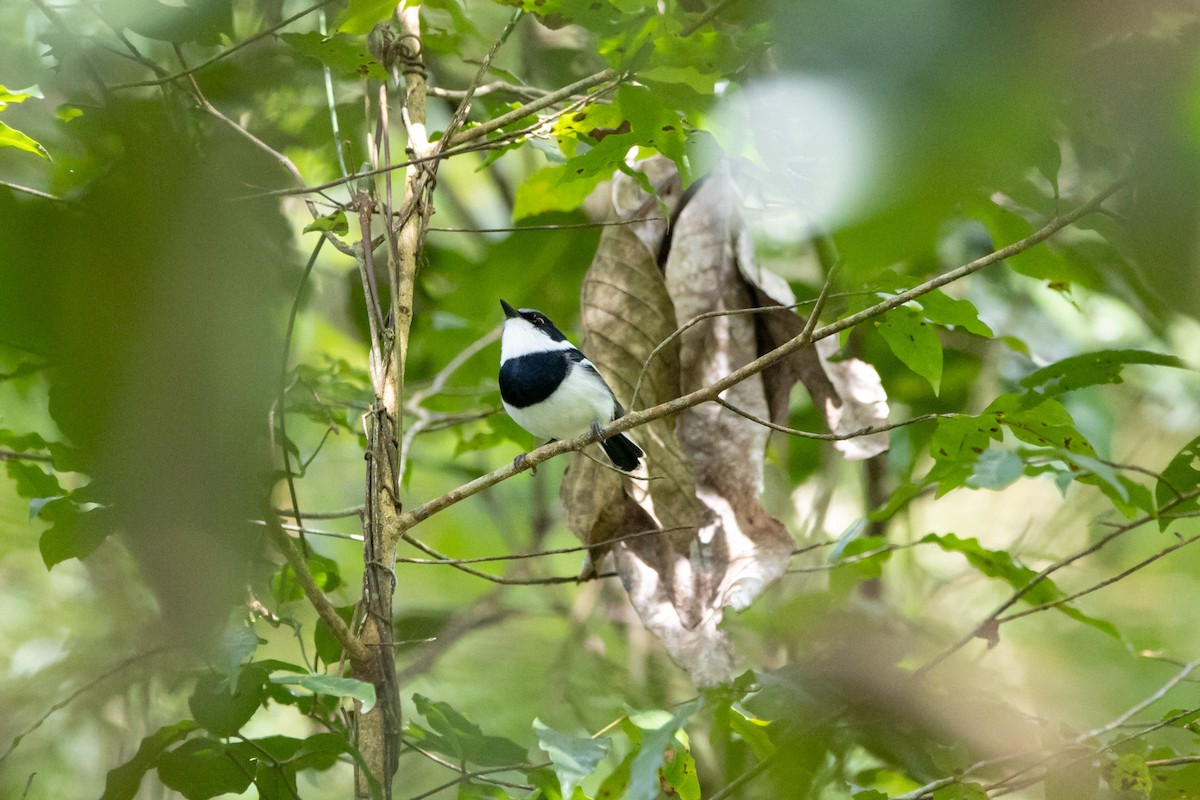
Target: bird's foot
[596, 430]
[519, 463]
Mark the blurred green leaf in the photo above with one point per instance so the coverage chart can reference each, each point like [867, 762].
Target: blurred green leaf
[454, 735]
[123, 782]
[574, 758]
[1181, 477]
[1129, 773]
[347, 57]
[334, 686]
[223, 707]
[203, 768]
[360, 16]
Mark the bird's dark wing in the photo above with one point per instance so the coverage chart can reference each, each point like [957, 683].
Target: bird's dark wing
[531, 378]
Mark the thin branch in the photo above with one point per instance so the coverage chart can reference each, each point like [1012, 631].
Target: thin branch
[1096, 587]
[563, 227]
[832, 437]
[565, 93]
[283, 373]
[541, 553]
[35, 192]
[635, 418]
[188, 71]
[706, 17]
[442, 557]
[1153, 698]
[992, 619]
[12, 455]
[464, 106]
[61, 704]
[352, 511]
[324, 608]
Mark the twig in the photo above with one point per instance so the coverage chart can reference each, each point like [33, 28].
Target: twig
[352, 511]
[604, 76]
[283, 372]
[705, 18]
[636, 418]
[324, 608]
[424, 548]
[12, 455]
[542, 553]
[1157, 695]
[1096, 587]
[563, 227]
[188, 71]
[35, 192]
[832, 437]
[61, 704]
[991, 620]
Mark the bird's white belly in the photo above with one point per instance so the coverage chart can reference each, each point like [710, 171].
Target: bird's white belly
[580, 400]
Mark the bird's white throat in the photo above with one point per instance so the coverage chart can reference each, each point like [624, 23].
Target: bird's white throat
[521, 338]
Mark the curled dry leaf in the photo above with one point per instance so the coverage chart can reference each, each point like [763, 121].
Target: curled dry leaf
[716, 546]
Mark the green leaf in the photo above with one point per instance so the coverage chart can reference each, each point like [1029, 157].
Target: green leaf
[996, 469]
[320, 751]
[33, 481]
[328, 648]
[237, 644]
[334, 221]
[67, 112]
[1129, 773]
[18, 95]
[869, 794]
[914, 342]
[574, 758]
[73, 533]
[1181, 476]
[944, 310]
[346, 56]
[753, 732]
[123, 782]
[554, 188]
[454, 735]
[334, 686]
[360, 16]
[658, 729]
[679, 769]
[1091, 369]
[11, 137]
[203, 768]
[961, 791]
[222, 711]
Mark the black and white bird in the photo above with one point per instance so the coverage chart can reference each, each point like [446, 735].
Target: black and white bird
[551, 390]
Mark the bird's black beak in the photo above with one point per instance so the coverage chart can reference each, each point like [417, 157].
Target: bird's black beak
[509, 311]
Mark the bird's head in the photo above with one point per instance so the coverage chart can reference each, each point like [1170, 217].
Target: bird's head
[527, 330]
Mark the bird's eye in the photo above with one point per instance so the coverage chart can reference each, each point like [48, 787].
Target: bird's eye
[539, 321]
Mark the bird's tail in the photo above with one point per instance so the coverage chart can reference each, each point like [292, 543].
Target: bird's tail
[622, 452]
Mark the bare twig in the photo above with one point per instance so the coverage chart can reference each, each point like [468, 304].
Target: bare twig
[709, 393]
[706, 17]
[1096, 587]
[832, 437]
[992, 619]
[12, 455]
[61, 704]
[188, 71]
[565, 93]
[352, 511]
[1135, 709]
[281, 418]
[324, 608]
[567, 226]
[16, 187]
